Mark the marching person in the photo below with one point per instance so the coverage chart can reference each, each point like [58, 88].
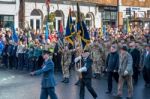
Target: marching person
[66, 61]
[86, 73]
[97, 56]
[48, 82]
[112, 64]
[146, 65]
[135, 53]
[125, 72]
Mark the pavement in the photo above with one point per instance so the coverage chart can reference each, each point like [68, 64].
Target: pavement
[20, 85]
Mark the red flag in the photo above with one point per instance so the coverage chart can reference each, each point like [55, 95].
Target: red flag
[47, 2]
[61, 30]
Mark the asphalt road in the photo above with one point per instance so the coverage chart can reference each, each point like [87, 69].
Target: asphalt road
[20, 85]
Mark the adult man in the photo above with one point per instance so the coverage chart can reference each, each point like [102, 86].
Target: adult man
[86, 73]
[135, 53]
[112, 64]
[98, 62]
[66, 60]
[125, 72]
[48, 82]
[146, 64]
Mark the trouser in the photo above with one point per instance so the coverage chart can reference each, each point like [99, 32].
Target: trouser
[5, 60]
[20, 61]
[135, 74]
[35, 63]
[88, 83]
[26, 60]
[30, 64]
[128, 79]
[65, 70]
[45, 92]
[146, 75]
[15, 62]
[40, 62]
[97, 67]
[11, 65]
[111, 75]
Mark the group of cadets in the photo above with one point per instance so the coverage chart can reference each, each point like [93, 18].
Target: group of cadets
[107, 56]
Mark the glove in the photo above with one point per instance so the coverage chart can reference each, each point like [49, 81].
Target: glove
[115, 71]
[83, 69]
[125, 73]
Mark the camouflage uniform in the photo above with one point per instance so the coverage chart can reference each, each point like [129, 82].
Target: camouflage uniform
[98, 62]
[66, 60]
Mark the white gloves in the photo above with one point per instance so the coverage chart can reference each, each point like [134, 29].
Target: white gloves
[77, 59]
[125, 73]
[83, 69]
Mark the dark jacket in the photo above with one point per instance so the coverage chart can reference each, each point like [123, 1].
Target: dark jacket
[135, 53]
[48, 74]
[88, 64]
[112, 62]
[146, 61]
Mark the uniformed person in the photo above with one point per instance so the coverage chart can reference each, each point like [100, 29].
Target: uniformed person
[66, 61]
[48, 82]
[98, 62]
[86, 75]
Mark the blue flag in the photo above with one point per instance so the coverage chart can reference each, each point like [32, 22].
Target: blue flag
[14, 35]
[82, 29]
[70, 31]
[46, 31]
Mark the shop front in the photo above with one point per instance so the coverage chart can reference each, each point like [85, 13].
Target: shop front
[109, 15]
[6, 21]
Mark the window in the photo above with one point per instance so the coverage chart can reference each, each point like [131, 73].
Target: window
[31, 23]
[113, 15]
[6, 21]
[37, 24]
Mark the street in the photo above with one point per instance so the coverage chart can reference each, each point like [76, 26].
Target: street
[20, 85]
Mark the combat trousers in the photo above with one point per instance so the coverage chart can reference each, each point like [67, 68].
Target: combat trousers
[97, 67]
[65, 70]
[128, 79]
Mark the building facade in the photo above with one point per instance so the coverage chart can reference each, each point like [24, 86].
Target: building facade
[33, 13]
[9, 13]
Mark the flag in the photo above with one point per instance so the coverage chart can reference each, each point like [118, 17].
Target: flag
[70, 31]
[82, 29]
[61, 30]
[47, 2]
[128, 26]
[46, 32]
[14, 35]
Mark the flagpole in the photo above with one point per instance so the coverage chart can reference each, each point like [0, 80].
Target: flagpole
[48, 10]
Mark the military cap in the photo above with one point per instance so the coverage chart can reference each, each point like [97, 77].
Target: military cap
[46, 52]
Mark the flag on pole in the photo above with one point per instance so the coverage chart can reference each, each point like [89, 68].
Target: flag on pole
[47, 2]
[70, 31]
[128, 26]
[82, 29]
[14, 35]
[61, 30]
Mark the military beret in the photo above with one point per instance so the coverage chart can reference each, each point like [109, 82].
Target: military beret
[46, 52]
